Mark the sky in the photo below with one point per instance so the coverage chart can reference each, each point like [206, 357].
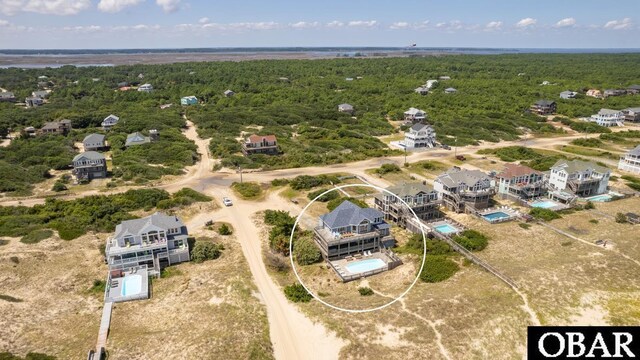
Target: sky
[106, 24]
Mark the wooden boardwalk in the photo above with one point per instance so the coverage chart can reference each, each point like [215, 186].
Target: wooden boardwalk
[105, 322]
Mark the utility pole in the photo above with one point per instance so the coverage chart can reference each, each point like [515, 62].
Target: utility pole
[240, 171]
[405, 155]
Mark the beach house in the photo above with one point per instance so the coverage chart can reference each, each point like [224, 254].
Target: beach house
[189, 100]
[415, 115]
[420, 136]
[419, 197]
[7, 96]
[229, 93]
[463, 190]
[422, 90]
[154, 241]
[33, 101]
[260, 144]
[520, 182]
[594, 93]
[631, 114]
[62, 127]
[568, 95]
[544, 107]
[89, 165]
[109, 122]
[346, 108]
[94, 142]
[608, 118]
[630, 162]
[137, 138]
[145, 88]
[580, 178]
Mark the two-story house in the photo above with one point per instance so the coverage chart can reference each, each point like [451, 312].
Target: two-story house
[349, 230]
[189, 100]
[33, 101]
[608, 118]
[415, 115]
[463, 190]
[581, 178]
[260, 144]
[630, 161]
[109, 122]
[156, 241]
[94, 142]
[62, 127]
[145, 88]
[520, 182]
[420, 136]
[631, 114]
[7, 96]
[544, 107]
[89, 165]
[419, 197]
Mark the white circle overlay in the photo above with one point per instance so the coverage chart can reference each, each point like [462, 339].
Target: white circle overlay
[357, 311]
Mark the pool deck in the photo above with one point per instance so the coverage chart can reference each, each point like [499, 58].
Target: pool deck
[557, 207]
[340, 266]
[512, 214]
[459, 227]
[114, 287]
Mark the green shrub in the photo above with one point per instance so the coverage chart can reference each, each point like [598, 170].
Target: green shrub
[472, 240]
[544, 214]
[225, 229]
[4, 242]
[98, 286]
[331, 205]
[437, 268]
[621, 218]
[279, 182]
[594, 221]
[306, 252]
[297, 293]
[513, 153]
[205, 250]
[11, 299]
[588, 142]
[589, 205]
[324, 198]
[277, 217]
[36, 236]
[306, 182]
[59, 186]
[365, 291]
[524, 226]
[29, 356]
[387, 169]
[415, 245]
[247, 190]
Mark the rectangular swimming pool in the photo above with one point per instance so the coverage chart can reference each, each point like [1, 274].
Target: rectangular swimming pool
[365, 265]
[601, 198]
[498, 215]
[446, 229]
[545, 204]
[131, 285]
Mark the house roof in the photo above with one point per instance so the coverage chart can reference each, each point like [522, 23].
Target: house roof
[635, 109]
[258, 138]
[635, 151]
[52, 125]
[6, 94]
[112, 118]
[450, 89]
[572, 166]
[409, 189]
[229, 92]
[137, 138]
[89, 155]
[347, 214]
[568, 92]
[158, 219]
[545, 102]
[634, 87]
[345, 106]
[419, 126]
[414, 111]
[608, 112]
[515, 170]
[40, 93]
[93, 138]
[455, 177]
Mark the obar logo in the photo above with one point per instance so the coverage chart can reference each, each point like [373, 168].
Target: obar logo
[583, 342]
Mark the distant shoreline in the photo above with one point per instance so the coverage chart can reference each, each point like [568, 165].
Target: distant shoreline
[115, 57]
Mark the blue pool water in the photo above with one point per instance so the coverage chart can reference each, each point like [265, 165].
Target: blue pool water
[365, 265]
[131, 285]
[601, 198]
[446, 229]
[496, 216]
[545, 204]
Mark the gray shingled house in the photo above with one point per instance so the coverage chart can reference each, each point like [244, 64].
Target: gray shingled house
[155, 241]
[349, 230]
[94, 142]
[89, 165]
[421, 198]
[464, 190]
[137, 139]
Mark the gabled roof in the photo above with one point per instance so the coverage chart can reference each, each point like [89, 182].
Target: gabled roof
[229, 92]
[409, 189]
[93, 138]
[258, 138]
[137, 138]
[6, 94]
[573, 166]
[634, 87]
[414, 111]
[419, 126]
[349, 214]
[450, 89]
[455, 177]
[158, 219]
[635, 151]
[635, 110]
[608, 112]
[545, 102]
[515, 170]
[52, 125]
[111, 118]
[89, 155]
[345, 106]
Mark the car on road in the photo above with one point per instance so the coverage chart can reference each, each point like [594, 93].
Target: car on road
[226, 201]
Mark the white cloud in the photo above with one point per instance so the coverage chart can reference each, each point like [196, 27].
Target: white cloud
[526, 22]
[361, 23]
[450, 26]
[169, 6]
[204, 20]
[52, 7]
[4, 23]
[305, 25]
[114, 6]
[619, 24]
[335, 24]
[399, 25]
[566, 23]
[494, 25]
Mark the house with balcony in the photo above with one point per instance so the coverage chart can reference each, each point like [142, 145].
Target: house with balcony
[346, 108]
[109, 122]
[419, 197]
[630, 162]
[155, 241]
[145, 88]
[7, 96]
[89, 165]
[580, 178]
[62, 127]
[33, 101]
[350, 230]
[415, 115]
[260, 144]
[420, 136]
[631, 114]
[544, 107]
[94, 142]
[520, 182]
[463, 190]
[189, 100]
[608, 118]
